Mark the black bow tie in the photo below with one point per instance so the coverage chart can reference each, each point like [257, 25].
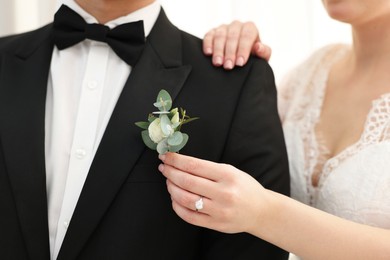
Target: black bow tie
[126, 40]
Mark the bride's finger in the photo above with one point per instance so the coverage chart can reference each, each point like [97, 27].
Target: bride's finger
[191, 201]
[262, 51]
[232, 40]
[202, 220]
[189, 182]
[208, 40]
[219, 43]
[192, 217]
[249, 36]
[202, 168]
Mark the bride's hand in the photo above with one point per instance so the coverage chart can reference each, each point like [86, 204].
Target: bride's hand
[230, 45]
[233, 201]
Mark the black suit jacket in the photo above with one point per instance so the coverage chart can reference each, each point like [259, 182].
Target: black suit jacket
[124, 210]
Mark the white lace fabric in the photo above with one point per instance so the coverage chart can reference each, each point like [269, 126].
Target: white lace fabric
[354, 184]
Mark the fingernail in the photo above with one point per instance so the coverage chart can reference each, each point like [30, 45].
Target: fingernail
[240, 61]
[228, 65]
[161, 167]
[208, 51]
[218, 61]
[161, 157]
[260, 48]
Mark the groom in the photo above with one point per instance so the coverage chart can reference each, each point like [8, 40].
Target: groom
[76, 181]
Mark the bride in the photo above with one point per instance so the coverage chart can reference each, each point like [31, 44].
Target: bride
[335, 109]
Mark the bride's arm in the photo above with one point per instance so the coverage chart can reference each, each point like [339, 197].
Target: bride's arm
[314, 234]
[235, 202]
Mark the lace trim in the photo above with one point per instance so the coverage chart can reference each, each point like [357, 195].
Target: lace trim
[316, 153]
[376, 130]
[323, 156]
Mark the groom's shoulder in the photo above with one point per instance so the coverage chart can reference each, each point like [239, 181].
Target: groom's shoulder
[9, 43]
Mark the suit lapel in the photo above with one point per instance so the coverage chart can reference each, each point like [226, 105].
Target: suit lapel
[25, 79]
[160, 66]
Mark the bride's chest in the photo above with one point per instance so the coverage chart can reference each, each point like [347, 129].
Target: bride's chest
[356, 187]
[359, 188]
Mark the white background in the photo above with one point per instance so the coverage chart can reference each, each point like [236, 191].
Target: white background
[293, 28]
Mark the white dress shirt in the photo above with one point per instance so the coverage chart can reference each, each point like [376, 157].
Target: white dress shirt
[85, 82]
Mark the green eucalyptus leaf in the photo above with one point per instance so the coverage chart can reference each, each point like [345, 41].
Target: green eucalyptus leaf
[143, 125]
[175, 139]
[177, 148]
[163, 101]
[162, 146]
[158, 104]
[166, 126]
[147, 141]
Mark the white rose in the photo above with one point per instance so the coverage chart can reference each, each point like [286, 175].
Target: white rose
[155, 132]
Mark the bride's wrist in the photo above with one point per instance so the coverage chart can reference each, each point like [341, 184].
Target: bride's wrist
[267, 207]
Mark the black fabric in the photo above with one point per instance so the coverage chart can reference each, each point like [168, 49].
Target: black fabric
[126, 40]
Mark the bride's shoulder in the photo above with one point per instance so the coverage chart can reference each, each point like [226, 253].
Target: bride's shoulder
[318, 61]
[304, 80]
[324, 55]
[328, 52]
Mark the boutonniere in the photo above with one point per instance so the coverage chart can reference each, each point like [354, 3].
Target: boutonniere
[162, 130]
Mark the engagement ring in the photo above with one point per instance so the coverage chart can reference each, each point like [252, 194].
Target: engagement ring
[199, 204]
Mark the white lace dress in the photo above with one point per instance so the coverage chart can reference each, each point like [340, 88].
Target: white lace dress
[355, 184]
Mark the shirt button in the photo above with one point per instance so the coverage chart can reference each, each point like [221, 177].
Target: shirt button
[80, 153]
[66, 224]
[92, 84]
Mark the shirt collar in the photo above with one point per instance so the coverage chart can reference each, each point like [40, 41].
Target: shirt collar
[148, 14]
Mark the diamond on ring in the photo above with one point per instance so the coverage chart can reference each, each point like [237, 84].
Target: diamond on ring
[199, 204]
